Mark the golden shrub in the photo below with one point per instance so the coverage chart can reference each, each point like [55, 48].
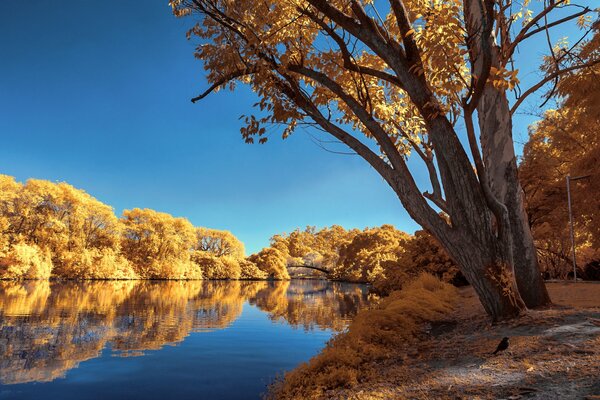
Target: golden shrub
[373, 336]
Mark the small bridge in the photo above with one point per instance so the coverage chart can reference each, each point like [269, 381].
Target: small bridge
[323, 270]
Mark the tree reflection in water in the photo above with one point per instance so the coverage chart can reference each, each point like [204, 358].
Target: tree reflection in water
[48, 328]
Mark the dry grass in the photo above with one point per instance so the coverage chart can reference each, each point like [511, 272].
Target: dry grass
[375, 336]
[554, 354]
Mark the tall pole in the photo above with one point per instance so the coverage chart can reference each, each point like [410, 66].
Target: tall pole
[571, 226]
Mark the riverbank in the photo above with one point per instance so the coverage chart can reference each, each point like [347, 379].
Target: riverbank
[553, 354]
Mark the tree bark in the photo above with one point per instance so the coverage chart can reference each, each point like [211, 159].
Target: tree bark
[499, 157]
[487, 270]
[495, 126]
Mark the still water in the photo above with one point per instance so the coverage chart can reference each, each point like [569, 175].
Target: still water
[163, 340]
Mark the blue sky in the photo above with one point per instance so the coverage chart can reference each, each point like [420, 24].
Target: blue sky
[96, 93]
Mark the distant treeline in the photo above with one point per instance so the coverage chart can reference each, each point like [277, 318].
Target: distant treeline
[53, 230]
[383, 256]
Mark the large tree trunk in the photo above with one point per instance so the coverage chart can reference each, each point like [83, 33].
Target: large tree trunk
[488, 271]
[482, 254]
[495, 124]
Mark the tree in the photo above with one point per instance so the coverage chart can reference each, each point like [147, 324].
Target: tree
[272, 262]
[566, 142]
[159, 245]
[219, 243]
[364, 257]
[25, 261]
[312, 247]
[249, 271]
[64, 230]
[214, 267]
[403, 77]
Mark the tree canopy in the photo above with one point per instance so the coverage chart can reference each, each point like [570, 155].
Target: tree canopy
[407, 75]
[53, 230]
[566, 142]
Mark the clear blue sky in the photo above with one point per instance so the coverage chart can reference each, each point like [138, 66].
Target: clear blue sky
[96, 93]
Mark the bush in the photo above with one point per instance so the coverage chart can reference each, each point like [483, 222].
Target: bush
[373, 336]
[392, 277]
[591, 271]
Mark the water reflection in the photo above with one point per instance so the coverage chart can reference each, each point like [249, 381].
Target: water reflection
[48, 328]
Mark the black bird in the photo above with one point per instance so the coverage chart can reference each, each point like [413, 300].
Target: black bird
[503, 345]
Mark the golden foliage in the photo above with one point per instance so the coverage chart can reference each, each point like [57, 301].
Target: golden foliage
[214, 267]
[219, 243]
[249, 271]
[566, 142]
[361, 259]
[272, 262]
[25, 261]
[284, 31]
[158, 244]
[383, 256]
[373, 336]
[55, 230]
[318, 248]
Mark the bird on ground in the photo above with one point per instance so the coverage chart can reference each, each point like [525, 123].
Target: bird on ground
[503, 345]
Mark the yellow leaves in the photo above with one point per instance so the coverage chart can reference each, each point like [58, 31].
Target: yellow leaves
[157, 243]
[23, 261]
[272, 262]
[584, 21]
[289, 37]
[53, 229]
[219, 243]
[503, 79]
[565, 141]
[409, 32]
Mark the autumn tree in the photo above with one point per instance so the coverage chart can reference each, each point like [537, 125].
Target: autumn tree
[55, 230]
[424, 254]
[364, 257]
[272, 262]
[250, 271]
[159, 245]
[566, 142]
[313, 248]
[406, 74]
[63, 230]
[219, 243]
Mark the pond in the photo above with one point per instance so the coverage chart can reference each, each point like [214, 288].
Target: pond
[163, 339]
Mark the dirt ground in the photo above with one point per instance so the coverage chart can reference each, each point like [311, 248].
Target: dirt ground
[553, 354]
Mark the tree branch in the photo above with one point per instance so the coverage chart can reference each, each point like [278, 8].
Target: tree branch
[405, 27]
[347, 55]
[548, 78]
[223, 80]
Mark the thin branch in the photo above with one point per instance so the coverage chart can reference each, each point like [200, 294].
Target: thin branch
[224, 80]
[548, 78]
[554, 23]
[380, 135]
[349, 61]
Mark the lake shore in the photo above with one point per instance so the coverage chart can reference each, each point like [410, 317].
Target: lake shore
[553, 354]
